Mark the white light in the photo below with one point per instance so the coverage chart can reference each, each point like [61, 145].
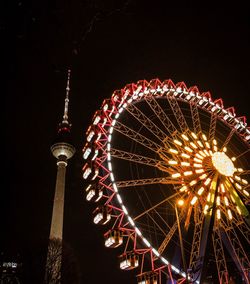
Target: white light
[146, 242]
[119, 198]
[207, 181]
[194, 199]
[184, 155]
[172, 162]
[198, 165]
[176, 175]
[229, 214]
[124, 209]
[188, 173]
[183, 188]
[185, 164]
[200, 191]
[115, 187]
[199, 171]
[193, 182]
[223, 163]
[173, 151]
[194, 135]
[138, 231]
[188, 149]
[193, 145]
[203, 176]
[218, 213]
[155, 252]
[197, 160]
[112, 177]
[184, 137]
[200, 144]
[178, 142]
[207, 145]
[131, 221]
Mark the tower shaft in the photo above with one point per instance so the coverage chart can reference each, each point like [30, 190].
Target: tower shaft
[56, 229]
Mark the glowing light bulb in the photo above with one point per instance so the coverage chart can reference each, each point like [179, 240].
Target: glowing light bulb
[183, 188]
[193, 145]
[173, 151]
[176, 175]
[230, 216]
[177, 142]
[184, 137]
[203, 176]
[194, 199]
[207, 145]
[194, 135]
[199, 171]
[200, 144]
[218, 214]
[197, 160]
[198, 165]
[184, 155]
[172, 162]
[244, 181]
[207, 181]
[245, 192]
[193, 182]
[188, 149]
[204, 137]
[200, 191]
[188, 173]
[185, 164]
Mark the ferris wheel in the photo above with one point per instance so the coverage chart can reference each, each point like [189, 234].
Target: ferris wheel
[168, 168]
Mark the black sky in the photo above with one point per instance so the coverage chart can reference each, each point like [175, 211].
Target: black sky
[107, 44]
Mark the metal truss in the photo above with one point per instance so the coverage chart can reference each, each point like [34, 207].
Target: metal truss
[177, 113]
[136, 158]
[139, 182]
[195, 117]
[145, 121]
[212, 126]
[136, 136]
[220, 257]
[164, 119]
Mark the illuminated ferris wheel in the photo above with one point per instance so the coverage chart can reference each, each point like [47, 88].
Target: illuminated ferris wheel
[168, 168]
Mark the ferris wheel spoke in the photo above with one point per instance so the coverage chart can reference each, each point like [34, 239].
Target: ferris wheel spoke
[164, 119]
[177, 113]
[136, 158]
[244, 229]
[243, 153]
[236, 249]
[230, 135]
[169, 235]
[156, 205]
[134, 135]
[139, 182]
[220, 256]
[145, 121]
[197, 235]
[195, 117]
[246, 172]
[212, 127]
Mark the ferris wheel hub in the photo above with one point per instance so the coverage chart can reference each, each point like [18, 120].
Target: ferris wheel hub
[223, 163]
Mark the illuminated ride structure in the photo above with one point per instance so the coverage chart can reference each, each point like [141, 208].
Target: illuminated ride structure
[154, 145]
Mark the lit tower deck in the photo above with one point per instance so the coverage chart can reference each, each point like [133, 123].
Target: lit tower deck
[63, 150]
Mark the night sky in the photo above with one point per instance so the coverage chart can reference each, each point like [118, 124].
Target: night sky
[107, 44]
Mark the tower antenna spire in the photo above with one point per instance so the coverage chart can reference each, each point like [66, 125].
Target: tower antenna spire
[66, 105]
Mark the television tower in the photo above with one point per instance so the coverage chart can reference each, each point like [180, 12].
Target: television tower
[63, 150]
